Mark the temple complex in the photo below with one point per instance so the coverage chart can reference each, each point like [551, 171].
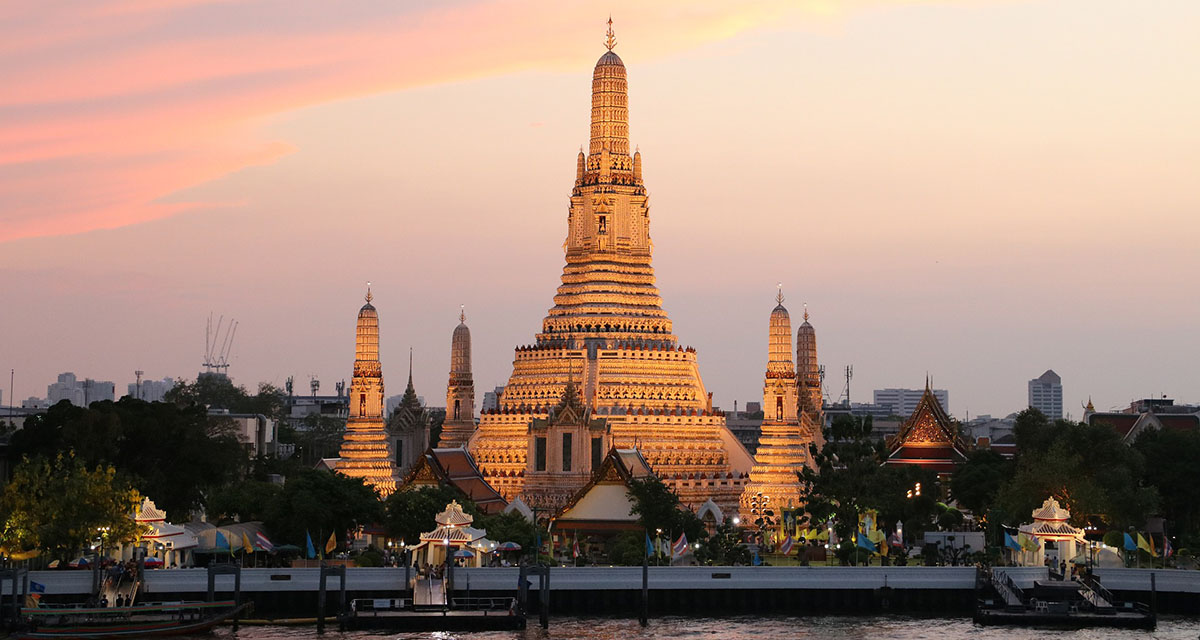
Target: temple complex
[366, 451]
[460, 391]
[786, 430]
[929, 438]
[608, 336]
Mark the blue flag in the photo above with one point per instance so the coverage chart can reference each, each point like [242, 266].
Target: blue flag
[1011, 543]
[865, 543]
[649, 546]
[312, 551]
[36, 587]
[1130, 545]
[222, 541]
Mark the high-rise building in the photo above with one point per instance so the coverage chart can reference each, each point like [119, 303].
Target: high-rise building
[786, 432]
[150, 390]
[80, 393]
[904, 401]
[1045, 394]
[609, 338]
[460, 391]
[366, 451]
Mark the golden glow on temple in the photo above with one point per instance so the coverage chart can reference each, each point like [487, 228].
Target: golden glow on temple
[365, 451]
[786, 430]
[605, 367]
[460, 390]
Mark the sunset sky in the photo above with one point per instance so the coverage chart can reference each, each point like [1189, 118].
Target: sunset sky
[978, 190]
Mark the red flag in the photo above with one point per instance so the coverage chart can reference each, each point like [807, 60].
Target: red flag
[575, 549]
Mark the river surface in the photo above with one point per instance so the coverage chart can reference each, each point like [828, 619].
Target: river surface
[742, 628]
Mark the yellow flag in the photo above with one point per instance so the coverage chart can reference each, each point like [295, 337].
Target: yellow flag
[332, 544]
[246, 543]
[1145, 545]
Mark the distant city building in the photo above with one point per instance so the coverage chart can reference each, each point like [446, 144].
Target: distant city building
[33, 402]
[746, 425]
[80, 393]
[491, 399]
[1045, 394]
[1146, 414]
[257, 433]
[150, 390]
[903, 402]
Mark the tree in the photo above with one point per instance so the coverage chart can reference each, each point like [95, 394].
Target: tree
[243, 501]
[1088, 469]
[174, 455]
[510, 527]
[317, 437]
[64, 505]
[219, 392]
[318, 503]
[657, 507]
[977, 482]
[1171, 469]
[410, 512]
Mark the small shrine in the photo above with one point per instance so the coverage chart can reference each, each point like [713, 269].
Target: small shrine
[455, 536]
[1052, 531]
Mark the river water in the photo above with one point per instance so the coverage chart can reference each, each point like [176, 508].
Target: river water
[744, 628]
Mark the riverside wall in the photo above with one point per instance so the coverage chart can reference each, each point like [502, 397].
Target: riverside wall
[617, 590]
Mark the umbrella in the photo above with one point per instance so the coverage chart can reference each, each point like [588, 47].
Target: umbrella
[53, 564]
[81, 562]
[152, 562]
[509, 546]
[464, 553]
[286, 548]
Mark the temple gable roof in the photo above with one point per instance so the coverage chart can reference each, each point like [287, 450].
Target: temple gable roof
[604, 501]
[929, 437]
[454, 467]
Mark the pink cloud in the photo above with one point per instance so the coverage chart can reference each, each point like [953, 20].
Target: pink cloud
[109, 108]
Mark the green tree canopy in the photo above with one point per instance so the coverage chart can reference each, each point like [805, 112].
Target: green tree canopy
[1089, 469]
[657, 507]
[850, 478]
[410, 512]
[320, 502]
[1171, 468]
[977, 482]
[61, 505]
[174, 455]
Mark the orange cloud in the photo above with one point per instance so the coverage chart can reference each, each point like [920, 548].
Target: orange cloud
[108, 108]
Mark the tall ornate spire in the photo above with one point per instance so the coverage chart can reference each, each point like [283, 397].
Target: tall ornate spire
[808, 372]
[366, 452]
[460, 390]
[611, 40]
[783, 445]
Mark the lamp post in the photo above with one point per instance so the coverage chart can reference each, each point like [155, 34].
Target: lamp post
[658, 547]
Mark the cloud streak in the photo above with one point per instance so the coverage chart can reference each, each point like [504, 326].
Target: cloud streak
[110, 107]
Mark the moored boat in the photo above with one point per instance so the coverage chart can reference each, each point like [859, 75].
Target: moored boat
[151, 620]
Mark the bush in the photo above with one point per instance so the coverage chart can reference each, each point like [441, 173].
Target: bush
[369, 558]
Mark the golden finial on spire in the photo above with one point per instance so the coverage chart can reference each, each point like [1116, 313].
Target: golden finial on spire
[806, 312]
[779, 296]
[462, 313]
[369, 296]
[611, 40]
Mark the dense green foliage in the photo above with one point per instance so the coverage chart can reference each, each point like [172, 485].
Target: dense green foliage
[849, 479]
[62, 505]
[173, 454]
[319, 503]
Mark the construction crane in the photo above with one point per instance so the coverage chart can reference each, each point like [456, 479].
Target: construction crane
[217, 361]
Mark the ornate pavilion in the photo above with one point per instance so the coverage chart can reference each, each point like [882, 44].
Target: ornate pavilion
[1052, 529]
[608, 335]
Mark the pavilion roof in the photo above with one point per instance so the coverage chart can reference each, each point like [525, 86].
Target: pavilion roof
[453, 516]
[149, 512]
[1051, 511]
[605, 498]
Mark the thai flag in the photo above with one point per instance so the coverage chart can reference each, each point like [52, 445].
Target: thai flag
[1167, 550]
[680, 547]
[263, 542]
[786, 547]
[575, 549]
